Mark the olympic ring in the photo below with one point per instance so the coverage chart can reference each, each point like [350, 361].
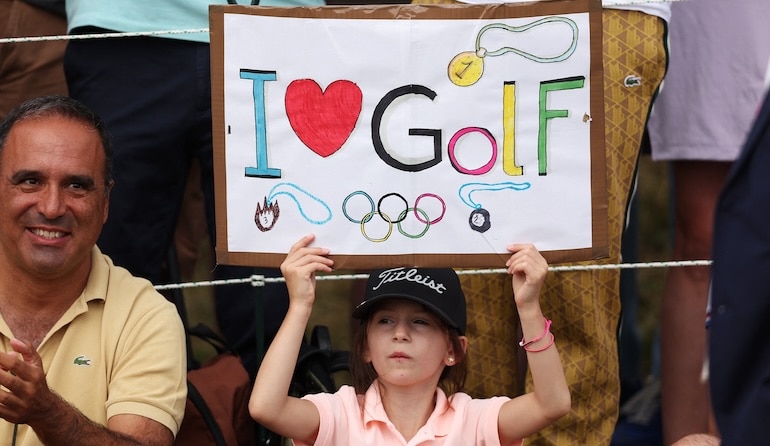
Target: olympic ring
[369, 215]
[367, 218]
[432, 222]
[406, 205]
[420, 214]
[427, 224]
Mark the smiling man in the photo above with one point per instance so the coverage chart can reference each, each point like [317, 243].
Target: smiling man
[89, 354]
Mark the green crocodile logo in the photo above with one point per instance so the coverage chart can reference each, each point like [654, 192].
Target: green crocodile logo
[82, 360]
[632, 81]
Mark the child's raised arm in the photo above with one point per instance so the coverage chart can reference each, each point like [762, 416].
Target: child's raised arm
[550, 399]
[270, 403]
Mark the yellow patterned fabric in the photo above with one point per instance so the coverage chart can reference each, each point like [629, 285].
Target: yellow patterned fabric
[584, 305]
[492, 332]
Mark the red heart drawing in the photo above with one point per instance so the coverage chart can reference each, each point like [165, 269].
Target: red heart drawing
[323, 120]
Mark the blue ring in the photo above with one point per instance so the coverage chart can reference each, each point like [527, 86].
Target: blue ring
[368, 216]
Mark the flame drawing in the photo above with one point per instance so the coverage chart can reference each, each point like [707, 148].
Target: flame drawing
[266, 215]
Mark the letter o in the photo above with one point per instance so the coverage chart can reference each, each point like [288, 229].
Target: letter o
[456, 137]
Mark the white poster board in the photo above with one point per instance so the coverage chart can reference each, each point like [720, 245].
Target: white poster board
[409, 135]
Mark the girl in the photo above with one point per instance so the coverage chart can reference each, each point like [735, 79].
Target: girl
[408, 356]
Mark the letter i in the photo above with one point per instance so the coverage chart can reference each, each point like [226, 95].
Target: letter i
[260, 124]
[509, 127]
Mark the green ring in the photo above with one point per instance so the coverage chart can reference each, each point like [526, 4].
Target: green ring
[403, 216]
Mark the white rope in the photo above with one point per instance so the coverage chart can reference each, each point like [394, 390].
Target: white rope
[206, 30]
[258, 280]
[102, 35]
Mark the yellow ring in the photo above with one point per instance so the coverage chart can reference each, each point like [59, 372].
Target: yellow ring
[368, 217]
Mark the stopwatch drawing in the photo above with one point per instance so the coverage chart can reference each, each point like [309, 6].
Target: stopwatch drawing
[479, 220]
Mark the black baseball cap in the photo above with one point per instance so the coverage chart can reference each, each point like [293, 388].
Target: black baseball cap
[437, 288]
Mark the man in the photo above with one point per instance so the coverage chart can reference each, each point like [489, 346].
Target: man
[739, 335]
[90, 354]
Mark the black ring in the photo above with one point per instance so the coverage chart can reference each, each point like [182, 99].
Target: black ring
[402, 216]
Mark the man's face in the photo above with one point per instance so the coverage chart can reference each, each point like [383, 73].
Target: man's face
[53, 201]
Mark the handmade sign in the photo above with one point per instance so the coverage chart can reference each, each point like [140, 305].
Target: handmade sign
[409, 135]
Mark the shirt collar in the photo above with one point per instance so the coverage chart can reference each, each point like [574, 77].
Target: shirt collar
[438, 423]
[96, 287]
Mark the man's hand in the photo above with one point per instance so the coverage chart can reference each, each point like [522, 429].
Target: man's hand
[24, 397]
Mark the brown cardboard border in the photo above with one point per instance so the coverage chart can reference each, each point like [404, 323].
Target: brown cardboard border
[600, 248]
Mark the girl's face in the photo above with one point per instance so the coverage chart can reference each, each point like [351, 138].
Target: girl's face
[406, 343]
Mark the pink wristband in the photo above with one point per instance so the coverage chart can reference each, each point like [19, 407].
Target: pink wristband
[535, 350]
[547, 330]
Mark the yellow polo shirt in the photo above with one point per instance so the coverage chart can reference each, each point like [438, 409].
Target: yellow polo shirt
[119, 349]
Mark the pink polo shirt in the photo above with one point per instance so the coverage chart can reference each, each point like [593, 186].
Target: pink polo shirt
[460, 420]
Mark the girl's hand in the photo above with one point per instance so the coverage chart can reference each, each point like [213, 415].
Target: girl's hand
[299, 268]
[528, 269]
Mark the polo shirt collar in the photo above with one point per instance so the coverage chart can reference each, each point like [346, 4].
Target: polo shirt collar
[438, 423]
[96, 289]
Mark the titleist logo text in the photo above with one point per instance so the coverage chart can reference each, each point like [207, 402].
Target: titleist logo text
[411, 275]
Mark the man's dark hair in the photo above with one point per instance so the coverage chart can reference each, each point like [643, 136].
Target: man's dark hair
[63, 106]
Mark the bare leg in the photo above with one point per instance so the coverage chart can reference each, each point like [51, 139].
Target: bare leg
[685, 400]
